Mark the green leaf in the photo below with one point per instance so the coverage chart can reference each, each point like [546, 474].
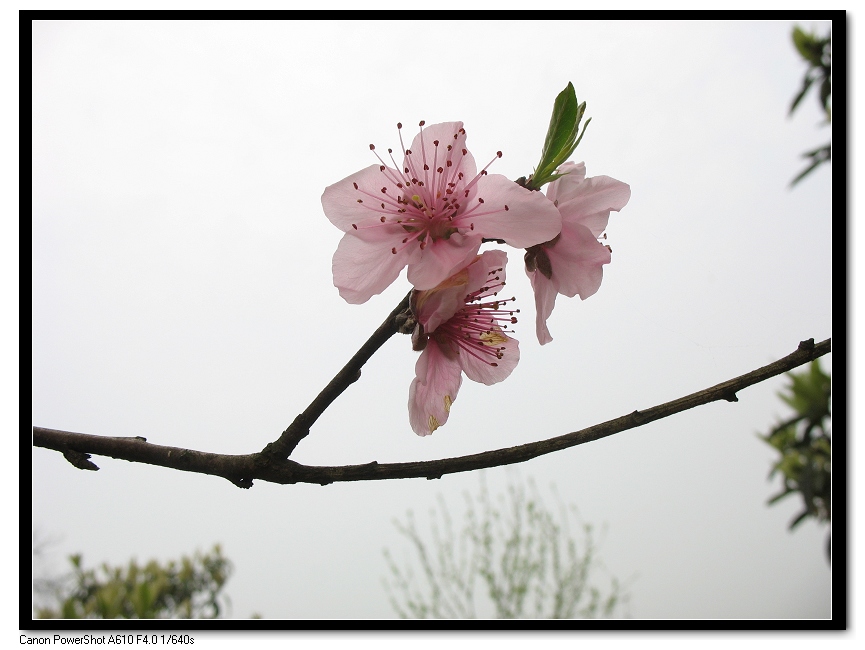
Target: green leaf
[819, 156]
[562, 124]
[561, 139]
[806, 84]
[825, 94]
[808, 46]
[798, 520]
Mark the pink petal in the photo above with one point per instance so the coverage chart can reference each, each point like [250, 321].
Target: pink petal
[442, 258]
[363, 264]
[590, 202]
[545, 300]
[436, 306]
[530, 218]
[482, 371]
[340, 199]
[423, 150]
[494, 260]
[577, 259]
[433, 389]
[562, 188]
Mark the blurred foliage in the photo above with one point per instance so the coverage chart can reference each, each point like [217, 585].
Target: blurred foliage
[189, 588]
[515, 559]
[817, 53]
[805, 444]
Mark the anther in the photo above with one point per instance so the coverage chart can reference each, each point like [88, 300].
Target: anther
[372, 147]
[422, 122]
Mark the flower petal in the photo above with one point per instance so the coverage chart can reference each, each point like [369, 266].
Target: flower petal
[577, 259]
[435, 306]
[481, 371]
[363, 264]
[423, 149]
[590, 202]
[433, 389]
[340, 200]
[442, 258]
[562, 188]
[545, 299]
[488, 262]
[530, 217]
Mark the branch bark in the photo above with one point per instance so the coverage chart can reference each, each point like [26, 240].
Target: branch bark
[269, 466]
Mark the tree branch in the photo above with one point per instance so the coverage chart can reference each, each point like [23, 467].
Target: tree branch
[242, 470]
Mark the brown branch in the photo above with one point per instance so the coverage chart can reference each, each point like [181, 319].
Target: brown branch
[241, 470]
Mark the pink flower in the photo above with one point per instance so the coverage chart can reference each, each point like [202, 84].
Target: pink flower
[459, 332]
[571, 263]
[430, 214]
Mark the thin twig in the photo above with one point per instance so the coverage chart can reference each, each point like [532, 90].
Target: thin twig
[281, 448]
[242, 470]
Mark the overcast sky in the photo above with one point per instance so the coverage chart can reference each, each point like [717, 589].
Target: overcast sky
[182, 291]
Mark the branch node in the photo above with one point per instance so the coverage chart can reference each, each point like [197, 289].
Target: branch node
[730, 396]
[806, 346]
[433, 477]
[405, 321]
[637, 416]
[79, 460]
[325, 482]
[242, 482]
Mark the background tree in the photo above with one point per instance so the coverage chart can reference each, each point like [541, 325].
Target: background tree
[817, 53]
[189, 588]
[513, 558]
[804, 442]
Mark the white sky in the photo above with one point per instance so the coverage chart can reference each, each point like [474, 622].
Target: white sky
[182, 292]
